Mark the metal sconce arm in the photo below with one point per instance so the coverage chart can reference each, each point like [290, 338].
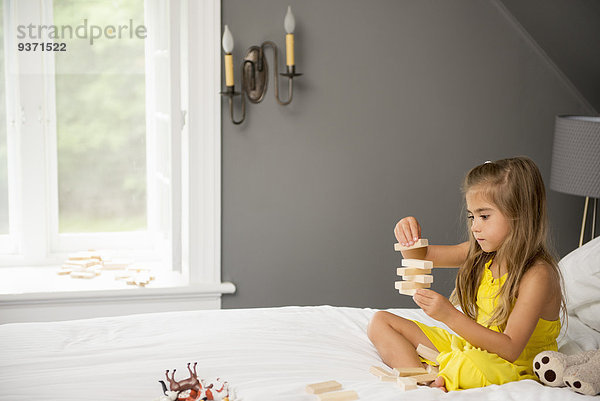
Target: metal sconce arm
[254, 72]
[290, 74]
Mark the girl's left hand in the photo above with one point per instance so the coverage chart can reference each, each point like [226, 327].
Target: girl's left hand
[434, 304]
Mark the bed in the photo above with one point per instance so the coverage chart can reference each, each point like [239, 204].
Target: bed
[264, 354]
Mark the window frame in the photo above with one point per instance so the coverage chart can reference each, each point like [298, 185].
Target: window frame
[199, 174]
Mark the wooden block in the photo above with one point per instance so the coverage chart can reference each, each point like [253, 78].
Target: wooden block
[377, 371]
[83, 274]
[83, 263]
[419, 244]
[403, 372]
[323, 387]
[388, 378]
[419, 278]
[427, 353]
[424, 378]
[348, 395]
[138, 269]
[410, 285]
[80, 256]
[410, 271]
[122, 275]
[433, 369]
[417, 263]
[406, 383]
[64, 272]
[408, 292]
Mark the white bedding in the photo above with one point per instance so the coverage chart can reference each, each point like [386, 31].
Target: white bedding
[265, 354]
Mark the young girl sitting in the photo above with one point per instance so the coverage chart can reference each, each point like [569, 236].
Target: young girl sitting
[508, 286]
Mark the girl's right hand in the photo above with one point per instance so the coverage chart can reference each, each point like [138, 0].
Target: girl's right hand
[407, 231]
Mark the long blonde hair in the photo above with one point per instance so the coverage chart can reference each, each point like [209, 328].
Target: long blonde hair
[516, 188]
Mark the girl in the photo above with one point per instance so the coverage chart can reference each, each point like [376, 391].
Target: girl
[508, 286]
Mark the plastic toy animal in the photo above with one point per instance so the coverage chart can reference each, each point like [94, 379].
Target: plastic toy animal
[191, 383]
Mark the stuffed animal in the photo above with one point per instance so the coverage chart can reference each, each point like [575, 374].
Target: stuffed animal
[580, 372]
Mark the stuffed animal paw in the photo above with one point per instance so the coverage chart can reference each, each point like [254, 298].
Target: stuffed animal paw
[580, 372]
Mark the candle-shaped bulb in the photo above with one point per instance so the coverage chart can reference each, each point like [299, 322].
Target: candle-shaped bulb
[289, 23]
[227, 40]
[228, 47]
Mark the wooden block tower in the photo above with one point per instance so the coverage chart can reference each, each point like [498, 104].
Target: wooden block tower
[415, 272]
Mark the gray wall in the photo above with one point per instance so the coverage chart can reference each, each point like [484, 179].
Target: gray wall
[398, 100]
[569, 32]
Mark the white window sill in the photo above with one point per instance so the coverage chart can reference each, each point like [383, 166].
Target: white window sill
[38, 285]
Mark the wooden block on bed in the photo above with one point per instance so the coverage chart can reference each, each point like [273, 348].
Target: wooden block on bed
[388, 378]
[410, 285]
[433, 369]
[417, 263]
[411, 271]
[419, 278]
[323, 387]
[406, 383]
[419, 244]
[348, 395]
[379, 372]
[403, 372]
[427, 353]
[424, 378]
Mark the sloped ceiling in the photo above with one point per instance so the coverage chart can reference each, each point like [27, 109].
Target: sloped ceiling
[568, 31]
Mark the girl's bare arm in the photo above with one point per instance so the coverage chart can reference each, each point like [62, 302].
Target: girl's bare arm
[534, 298]
[408, 230]
[440, 255]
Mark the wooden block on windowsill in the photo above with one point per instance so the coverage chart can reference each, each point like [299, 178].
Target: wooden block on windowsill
[419, 244]
[83, 263]
[83, 275]
[323, 387]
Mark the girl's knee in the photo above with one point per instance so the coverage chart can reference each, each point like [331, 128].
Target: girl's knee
[376, 323]
[382, 320]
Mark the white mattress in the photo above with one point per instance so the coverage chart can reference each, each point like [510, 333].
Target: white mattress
[265, 354]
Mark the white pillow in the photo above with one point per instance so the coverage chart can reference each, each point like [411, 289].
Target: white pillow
[576, 337]
[590, 315]
[581, 271]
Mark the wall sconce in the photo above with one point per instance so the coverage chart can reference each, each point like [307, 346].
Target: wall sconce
[254, 70]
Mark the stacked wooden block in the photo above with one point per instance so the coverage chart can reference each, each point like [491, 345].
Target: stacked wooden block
[415, 272]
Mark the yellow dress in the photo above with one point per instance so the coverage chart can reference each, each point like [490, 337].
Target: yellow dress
[464, 366]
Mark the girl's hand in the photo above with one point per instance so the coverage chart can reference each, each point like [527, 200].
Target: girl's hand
[407, 231]
[434, 304]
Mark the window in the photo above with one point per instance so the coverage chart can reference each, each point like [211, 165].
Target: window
[100, 143]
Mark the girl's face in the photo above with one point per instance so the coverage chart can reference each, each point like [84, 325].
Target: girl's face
[489, 227]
